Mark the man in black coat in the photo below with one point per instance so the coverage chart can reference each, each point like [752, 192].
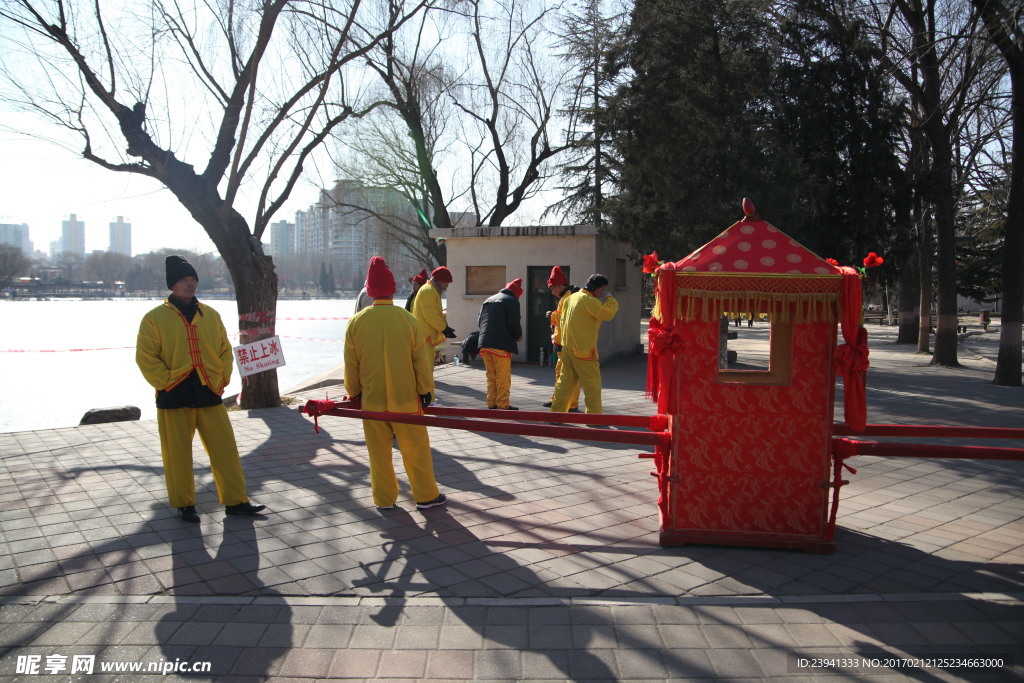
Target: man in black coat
[500, 328]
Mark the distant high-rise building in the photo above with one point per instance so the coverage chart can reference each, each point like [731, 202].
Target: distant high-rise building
[282, 238]
[369, 221]
[72, 236]
[311, 230]
[121, 237]
[17, 236]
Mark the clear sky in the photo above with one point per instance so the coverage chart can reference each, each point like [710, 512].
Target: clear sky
[44, 184]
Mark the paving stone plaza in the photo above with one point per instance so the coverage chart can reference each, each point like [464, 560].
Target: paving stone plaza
[544, 566]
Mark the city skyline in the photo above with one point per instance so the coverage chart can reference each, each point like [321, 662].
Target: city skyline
[43, 184]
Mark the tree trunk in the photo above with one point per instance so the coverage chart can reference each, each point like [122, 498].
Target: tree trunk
[945, 265]
[252, 272]
[1008, 363]
[924, 260]
[909, 303]
[256, 295]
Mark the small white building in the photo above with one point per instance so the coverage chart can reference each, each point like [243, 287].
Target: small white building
[483, 260]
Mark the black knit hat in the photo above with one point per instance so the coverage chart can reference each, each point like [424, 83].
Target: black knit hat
[177, 268]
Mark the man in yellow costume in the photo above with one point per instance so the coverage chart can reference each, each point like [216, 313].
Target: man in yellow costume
[389, 368]
[501, 327]
[184, 353]
[417, 281]
[581, 321]
[429, 311]
[558, 284]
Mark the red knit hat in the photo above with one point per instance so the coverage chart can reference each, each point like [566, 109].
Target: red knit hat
[441, 274]
[557, 277]
[516, 287]
[421, 278]
[380, 281]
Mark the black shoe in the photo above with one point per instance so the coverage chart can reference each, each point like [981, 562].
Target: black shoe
[246, 508]
[573, 410]
[188, 514]
[440, 500]
[548, 404]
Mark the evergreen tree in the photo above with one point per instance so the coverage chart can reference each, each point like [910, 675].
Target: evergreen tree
[332, 287]
[834, 107]
[589, 40]
[325, 283]
[784, 103]
[689, 129]
[981, 228]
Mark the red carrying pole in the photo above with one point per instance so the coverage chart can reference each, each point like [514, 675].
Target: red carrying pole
[936, 431]
[924, 450]
[656, 438]
[921, 450]
[655, 423]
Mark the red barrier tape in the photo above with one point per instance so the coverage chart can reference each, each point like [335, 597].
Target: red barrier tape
[105, 348]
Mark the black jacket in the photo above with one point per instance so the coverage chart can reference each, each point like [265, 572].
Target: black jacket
[499, 322]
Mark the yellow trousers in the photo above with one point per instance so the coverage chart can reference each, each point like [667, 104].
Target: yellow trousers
[577, 373]
[414, 444]
[499, 379]
[574, 403]
[178, 427]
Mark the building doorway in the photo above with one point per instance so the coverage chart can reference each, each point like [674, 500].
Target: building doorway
[539, 300]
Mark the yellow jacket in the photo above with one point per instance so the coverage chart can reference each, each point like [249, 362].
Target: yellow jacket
[427, 309]
[581, 320]
[556, 316]
[169, 348]
[387, 359]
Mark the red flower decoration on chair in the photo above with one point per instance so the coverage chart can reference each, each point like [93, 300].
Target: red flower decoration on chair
[651, 262]
[872, 260]
[832, 261]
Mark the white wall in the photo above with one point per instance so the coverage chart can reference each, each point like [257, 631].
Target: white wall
[578, 247]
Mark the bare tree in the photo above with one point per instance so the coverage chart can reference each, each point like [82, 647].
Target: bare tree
[476, 89]
[1003, 22]
[384, 152]
[413, 70]
[107, 267]
[13, 263]
[70, 265]
[937, 52]
[508, 91]
[223, 103]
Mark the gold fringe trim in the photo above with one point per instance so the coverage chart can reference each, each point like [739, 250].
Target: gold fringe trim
[706, 306]
[749, 282]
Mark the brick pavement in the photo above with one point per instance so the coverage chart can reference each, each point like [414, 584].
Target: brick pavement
[544, 566]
